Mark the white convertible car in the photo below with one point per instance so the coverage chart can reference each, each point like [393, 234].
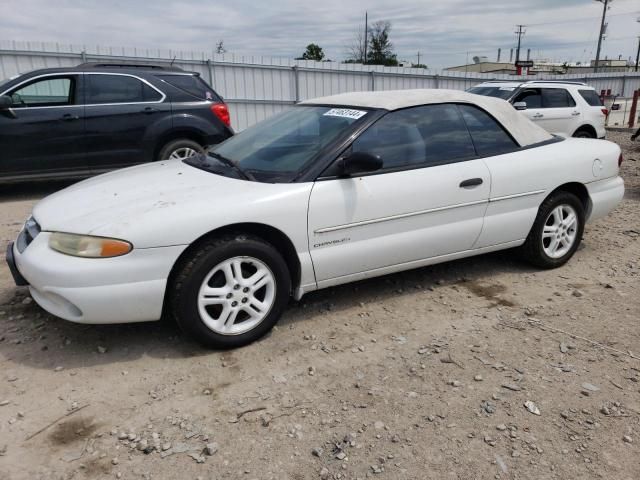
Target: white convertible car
[334, 190]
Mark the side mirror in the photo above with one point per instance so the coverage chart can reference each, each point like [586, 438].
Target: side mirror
[5, 102]
[520, 105]
[359, 162]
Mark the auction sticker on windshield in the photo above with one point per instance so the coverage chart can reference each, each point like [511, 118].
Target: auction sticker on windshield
[345, 113]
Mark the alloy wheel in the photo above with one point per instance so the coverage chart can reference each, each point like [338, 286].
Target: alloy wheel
[560, 231]
[182, 153]
[236, 295]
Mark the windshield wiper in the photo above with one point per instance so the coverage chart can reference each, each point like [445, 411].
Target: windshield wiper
[228, 162]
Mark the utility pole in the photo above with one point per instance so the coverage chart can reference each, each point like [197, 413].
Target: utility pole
[366, 36]
[638, 53]
[520, 32]
[605, 4]
[418, 58]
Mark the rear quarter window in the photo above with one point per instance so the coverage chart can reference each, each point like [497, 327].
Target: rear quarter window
[192, 85]
[591, 97]
[489, 137]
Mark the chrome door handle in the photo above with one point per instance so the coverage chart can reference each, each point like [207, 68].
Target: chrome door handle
[538, 115]
[67, 117]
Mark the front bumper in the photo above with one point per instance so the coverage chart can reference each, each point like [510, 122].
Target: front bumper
[15, 273]
[122, 289]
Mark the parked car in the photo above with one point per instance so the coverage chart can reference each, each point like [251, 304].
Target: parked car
[333, 190]
[569, 109]
[80, 121]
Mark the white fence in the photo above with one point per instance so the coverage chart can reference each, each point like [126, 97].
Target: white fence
[257, 87]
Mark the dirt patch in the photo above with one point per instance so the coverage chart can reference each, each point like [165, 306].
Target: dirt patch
[96, 467]
[491, 292]
[632, 193]
[73, 430]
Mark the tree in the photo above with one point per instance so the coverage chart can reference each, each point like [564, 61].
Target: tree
[313, 52]
[380, 47]
[220, 47]
[418, 65]
[355, 51]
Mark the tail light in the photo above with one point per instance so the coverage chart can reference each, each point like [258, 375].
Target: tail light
[605, 112]
[620, 159]
[221, 111]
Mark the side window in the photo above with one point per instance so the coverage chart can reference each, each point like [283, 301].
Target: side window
[47, 92]
[531, 97]
[103, 89]
[556, 98]
[488, 135]
[427, 135]
[191, 84]
[591, 97]
[570, 99]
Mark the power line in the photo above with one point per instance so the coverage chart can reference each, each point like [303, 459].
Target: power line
[533, 46]
[581, 19]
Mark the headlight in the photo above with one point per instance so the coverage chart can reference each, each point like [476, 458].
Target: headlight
[88, 246]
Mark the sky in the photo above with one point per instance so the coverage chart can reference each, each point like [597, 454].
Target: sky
[446, 33]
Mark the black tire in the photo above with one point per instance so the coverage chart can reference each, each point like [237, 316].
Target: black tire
[533, 249]
[176, 145]
[192, 271]
[583, 133]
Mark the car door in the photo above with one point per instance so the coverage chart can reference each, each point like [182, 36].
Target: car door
[428, 199]
[560, 114]
[515, 181]
[533, 98]
[120, 110]
[42, 132]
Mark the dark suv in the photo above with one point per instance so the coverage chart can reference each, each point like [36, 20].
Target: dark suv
[84, 120]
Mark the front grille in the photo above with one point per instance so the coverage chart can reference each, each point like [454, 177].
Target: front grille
[30, 231]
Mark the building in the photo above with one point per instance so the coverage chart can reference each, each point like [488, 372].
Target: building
[485, 67]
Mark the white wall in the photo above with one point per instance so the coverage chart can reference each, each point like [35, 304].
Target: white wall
[257, 87]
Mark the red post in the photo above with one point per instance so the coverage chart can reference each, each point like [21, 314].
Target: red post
[634, 106]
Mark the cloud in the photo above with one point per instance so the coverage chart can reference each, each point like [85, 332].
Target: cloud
[446, 33]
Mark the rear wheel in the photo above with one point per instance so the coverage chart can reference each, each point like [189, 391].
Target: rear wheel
[556, 232]
[180, 149]
[584, 134]
[231, 291]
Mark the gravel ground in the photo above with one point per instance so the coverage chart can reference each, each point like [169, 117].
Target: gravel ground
[475, 369]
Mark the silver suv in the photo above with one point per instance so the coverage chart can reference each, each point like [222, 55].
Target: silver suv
[569, 109]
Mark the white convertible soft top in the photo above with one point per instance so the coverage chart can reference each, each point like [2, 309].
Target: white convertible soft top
[521, 128]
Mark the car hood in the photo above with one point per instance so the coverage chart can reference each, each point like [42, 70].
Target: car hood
[158, 204]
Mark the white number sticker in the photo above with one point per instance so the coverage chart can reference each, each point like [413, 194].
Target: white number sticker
[345, 113]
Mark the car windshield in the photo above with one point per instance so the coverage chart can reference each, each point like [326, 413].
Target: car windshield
[499, 92]
[279, 148]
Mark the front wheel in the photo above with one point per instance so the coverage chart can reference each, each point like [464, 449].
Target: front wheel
[230, 291]
[556, 232]
[180, 149]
